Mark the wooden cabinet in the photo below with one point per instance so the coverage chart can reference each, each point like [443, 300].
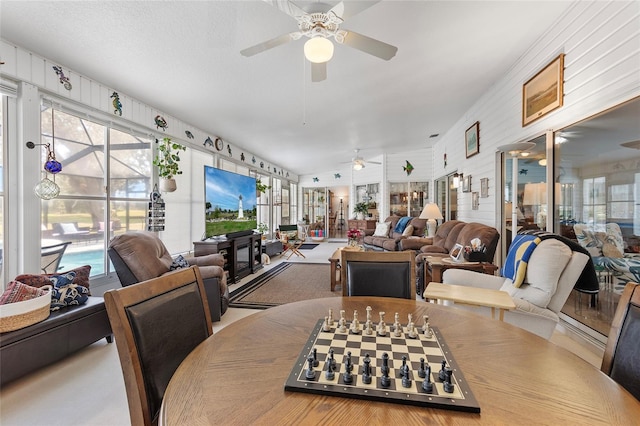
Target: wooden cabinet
[242, 255]
[362, 224]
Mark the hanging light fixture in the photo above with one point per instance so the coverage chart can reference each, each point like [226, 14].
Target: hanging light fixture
[318, 50]
[358, 165]
[48, 189]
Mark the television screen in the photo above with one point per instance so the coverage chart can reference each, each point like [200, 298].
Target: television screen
[230, 202]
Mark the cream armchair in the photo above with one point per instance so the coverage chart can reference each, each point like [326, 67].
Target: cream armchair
[552, 272]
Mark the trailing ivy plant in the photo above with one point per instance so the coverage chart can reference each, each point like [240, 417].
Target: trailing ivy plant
[168, 158]
[261, 187]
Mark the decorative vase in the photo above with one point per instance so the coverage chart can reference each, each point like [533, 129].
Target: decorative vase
[359, 216]
[353, 242]
[168, 185]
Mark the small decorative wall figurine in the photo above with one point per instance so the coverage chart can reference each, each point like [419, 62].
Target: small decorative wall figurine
[208, 142]
[64, 80]
[189, 134]
[315, 179]
[408, 168]
[275, 170]
[253, 159]
[161, 123]
[117, 105]
[229, 150]
[242, 156]
[262, 164]
[287, 174]
[337, 175]
[445, 160]
[523, 171]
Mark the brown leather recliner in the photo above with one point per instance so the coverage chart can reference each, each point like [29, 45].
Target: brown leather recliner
[140, 255]
[447, 236]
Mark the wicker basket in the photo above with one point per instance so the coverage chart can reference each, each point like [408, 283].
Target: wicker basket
[14, 316]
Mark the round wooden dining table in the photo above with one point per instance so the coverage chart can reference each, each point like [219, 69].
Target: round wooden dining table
[237, 376]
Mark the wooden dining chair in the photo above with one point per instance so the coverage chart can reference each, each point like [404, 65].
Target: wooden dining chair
[378, 273]
[156, 324]
[622, 352]
[50, 257]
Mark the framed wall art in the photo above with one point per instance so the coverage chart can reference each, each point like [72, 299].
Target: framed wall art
[472, 139]
[484, 187]
[466, 183]
[543, 92]
[475, 202]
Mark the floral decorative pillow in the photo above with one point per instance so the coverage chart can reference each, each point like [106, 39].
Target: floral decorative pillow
[178, 263]
[66, 293]
[382, 229]
[81, 277]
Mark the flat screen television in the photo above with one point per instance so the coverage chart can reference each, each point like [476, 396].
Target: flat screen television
[230, 203]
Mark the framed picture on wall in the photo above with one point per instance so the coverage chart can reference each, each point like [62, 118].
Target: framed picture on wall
[484, 187]
[472, 139]
[543, 92]
[466, 183]
[475, 202]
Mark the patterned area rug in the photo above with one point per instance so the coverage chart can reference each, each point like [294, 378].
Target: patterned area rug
[285, 283]
[308, 246]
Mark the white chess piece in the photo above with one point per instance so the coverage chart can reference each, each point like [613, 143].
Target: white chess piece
[342, 323]
[326, 326]
[382, 327]
[331, 317]
[355, 325]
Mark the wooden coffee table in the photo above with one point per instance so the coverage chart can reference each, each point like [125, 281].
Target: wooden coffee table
[334, 260]
[471, 296]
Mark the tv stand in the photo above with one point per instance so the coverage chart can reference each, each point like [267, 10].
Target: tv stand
[242, 254]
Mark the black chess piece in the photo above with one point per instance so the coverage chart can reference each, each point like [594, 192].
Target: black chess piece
[406, 380]
[442, 375]
[309, 372]
[332, 360]
[448, 386]
[427, 385]
[315, 357]
[347, 377]
[366, 370]
[329, 374]
[385, 381]
[421, 372]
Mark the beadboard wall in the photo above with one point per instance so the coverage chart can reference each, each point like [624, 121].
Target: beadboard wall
[602, 63]
[22, 65]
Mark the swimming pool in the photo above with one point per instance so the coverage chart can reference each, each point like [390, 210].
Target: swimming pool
[95, 258]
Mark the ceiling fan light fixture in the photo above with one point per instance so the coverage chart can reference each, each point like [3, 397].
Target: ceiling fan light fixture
[358, 165]
[318, 50]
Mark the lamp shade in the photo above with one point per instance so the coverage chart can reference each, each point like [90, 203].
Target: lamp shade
[431, 211]
[318, 50]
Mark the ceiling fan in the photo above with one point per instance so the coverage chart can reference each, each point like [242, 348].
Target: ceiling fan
[359, 162]
[319, 24]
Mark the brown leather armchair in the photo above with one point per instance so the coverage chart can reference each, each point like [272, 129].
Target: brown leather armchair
[140, 255]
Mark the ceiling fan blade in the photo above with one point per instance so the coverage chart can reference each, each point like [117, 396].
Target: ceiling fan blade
[287, 7]
[369, 45]
[373, 162]
[269, 44]
[318, 72]
[346, 10]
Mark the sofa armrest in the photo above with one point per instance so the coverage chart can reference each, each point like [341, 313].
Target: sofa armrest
[472, 279]
[368, 232]
[215, 259]
[414, 243]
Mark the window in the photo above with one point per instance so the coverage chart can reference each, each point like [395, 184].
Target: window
[84, 213]
[594, 207]
[408, 198]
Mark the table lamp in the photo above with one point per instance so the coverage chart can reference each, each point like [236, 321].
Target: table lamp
[431, 212]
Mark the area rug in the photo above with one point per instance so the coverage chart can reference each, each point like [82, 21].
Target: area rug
[308, 246]
[285, 283]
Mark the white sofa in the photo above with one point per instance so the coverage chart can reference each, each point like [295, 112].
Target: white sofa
[552, 272]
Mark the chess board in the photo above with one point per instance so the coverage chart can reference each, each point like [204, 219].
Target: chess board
[433, 349]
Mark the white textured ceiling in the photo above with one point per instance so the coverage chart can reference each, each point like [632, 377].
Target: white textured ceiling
[183, 58]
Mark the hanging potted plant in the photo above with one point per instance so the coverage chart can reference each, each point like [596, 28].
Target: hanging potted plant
[361, 210]
[261, 188]
[167, 160]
